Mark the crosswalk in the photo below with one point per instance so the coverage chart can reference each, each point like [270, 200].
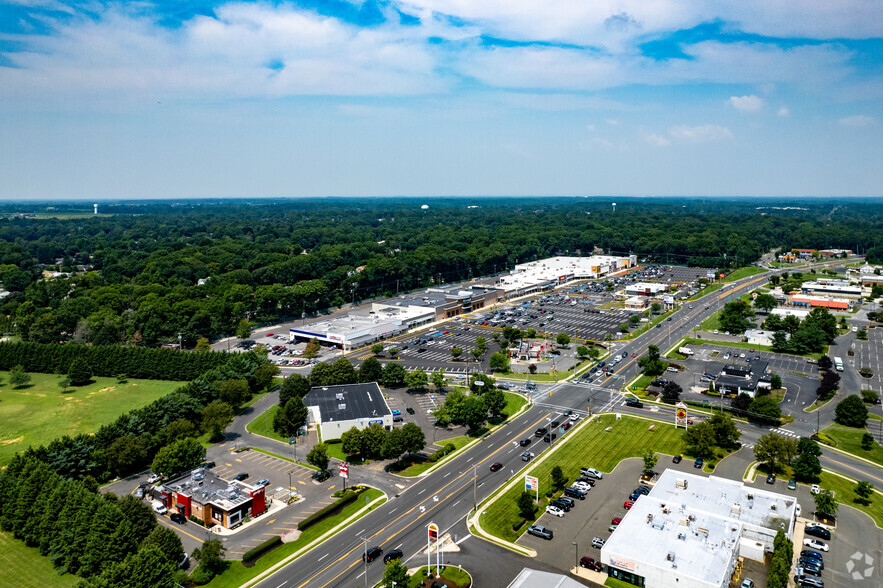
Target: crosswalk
[785, 433]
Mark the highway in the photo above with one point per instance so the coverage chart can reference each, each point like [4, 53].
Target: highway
[446, 496]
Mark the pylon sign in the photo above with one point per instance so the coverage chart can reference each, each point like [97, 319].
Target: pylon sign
[681, 414]
[433, 532]
[344, 470]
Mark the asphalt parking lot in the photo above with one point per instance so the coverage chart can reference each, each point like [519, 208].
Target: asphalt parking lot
[592, 517]
[869, 354]
[673, 274]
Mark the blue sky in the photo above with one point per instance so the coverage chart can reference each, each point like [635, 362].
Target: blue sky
[440, 97]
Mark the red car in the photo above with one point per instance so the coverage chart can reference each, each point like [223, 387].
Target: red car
[689, 421]
[269, 334]
[446, 332]
[495, 466]
[628, 504]
[566, 425]
[589, 562]
[633, 355]
[615, 521]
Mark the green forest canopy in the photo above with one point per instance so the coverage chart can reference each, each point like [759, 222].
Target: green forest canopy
[272, 259]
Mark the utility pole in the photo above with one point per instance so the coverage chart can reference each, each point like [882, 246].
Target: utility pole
[475, 488]
[365, 540]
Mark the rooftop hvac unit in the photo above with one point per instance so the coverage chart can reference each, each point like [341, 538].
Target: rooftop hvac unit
[670, 556]
[682, 536]
[341, 406]
[684, 522]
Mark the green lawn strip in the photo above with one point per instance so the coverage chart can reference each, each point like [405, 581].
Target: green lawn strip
[615, 583]
[744, 272]
[874, 417]
[450, 573]
[644, 327]
[709, 289]
[256, 397]
[591, 446]
[849, 439]
[638, 385]
[532, 377]
[40, 412]
[712, 322]
[844, 493]
[23, 567]
[236, 574]
[818, 404]
[263, 425]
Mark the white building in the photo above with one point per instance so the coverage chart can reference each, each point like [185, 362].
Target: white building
[783, 312]
[353, 331]
[646, 289]
[759, 337]
[336, 409]
[538, 275]
[690, 530]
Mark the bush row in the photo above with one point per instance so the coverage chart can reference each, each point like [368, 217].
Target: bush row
[328, 511]
[256, 552]
[449, 448]
[110, 360]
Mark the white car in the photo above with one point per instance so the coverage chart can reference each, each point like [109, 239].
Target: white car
[574, 417]
[160, 508]
[797, 510]
[815, 488]
[582, 486]
[554, 511]
[153, 479]
[742, 355]
[812, 543]
[591, 472]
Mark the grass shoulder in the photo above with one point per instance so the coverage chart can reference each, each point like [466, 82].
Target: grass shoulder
[844, 493]
[849, 439]
[743, 272]
[263, 425]
[39, 412]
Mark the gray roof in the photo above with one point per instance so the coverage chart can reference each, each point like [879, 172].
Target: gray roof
[348, 402]
[529, 578]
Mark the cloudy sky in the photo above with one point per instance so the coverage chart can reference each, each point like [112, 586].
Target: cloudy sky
[440, 97]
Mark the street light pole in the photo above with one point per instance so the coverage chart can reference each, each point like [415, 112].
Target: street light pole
[575, 556]
[475, 488]
[365, 540]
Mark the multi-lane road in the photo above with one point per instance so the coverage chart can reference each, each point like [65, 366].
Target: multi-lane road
[447, 495]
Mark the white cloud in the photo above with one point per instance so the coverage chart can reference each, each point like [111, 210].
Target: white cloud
[750, 103]
[612, 122]
[859, 120]
[700, 134]
[783, 111]
[655, 140]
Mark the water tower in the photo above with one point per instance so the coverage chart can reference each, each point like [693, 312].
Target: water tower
[95, 208]
[614, 208]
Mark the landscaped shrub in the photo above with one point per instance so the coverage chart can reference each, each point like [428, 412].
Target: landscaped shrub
[328, 511]
[252, 554]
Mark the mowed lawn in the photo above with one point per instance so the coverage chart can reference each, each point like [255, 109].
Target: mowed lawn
[591, 446]
[23, 567]
[844, 493]
[849, 439]
[40, 412]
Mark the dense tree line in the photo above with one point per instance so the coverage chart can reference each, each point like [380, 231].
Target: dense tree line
[130, 443]
[109, 360]
[141, 270]
[107, 541]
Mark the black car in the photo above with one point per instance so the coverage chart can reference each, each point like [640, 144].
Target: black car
[241, 477]
[808, 559]
[645, 490]
[676, 459]
[208, 465]
[590, 563]
[372, 554]
[817, 531]
[393, 554]
[550, 437]
[771, 479]
[698, 463]
[525, 442]
[555, 424]
[572, 492]
[540, 432]
[409, 410]
[178, 518]
[809, 568]
[568, 501]
[321, 475]
[560, 504]
[634, 402]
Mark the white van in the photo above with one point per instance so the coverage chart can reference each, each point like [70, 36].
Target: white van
[160, 508]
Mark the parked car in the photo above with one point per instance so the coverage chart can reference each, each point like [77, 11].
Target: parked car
[792, 484]
[811, 553]
[628, 504]
[698, 463]
[815, 544]
[816, 561]
[153, 479]
[560, 504]
[554, 511]
[541, 532]
[817, 531]
[815, 488]
[159, 508]
[677, 458]
[771, 479]
[590, 563]
[591, 472]
[372, 554]
[262, 483]
[178, 518]
[645, 490]
[597, 542]
[241, 477]
[809, 582]
[574, 493]
[393, 554]
[747, 583]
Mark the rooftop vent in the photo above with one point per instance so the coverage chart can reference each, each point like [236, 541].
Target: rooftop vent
[341, 406]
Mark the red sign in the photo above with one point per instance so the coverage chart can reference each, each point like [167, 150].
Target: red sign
[344, 470]
[433, 532]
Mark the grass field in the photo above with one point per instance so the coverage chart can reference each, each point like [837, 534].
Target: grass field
[263, 425]
[849, 439]
[590, 446]
[712, 322]
[236, 573]
[844, 493]
[16, 558]
[740, 345]
[744, 272]
[709, 289]
[40, 412]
